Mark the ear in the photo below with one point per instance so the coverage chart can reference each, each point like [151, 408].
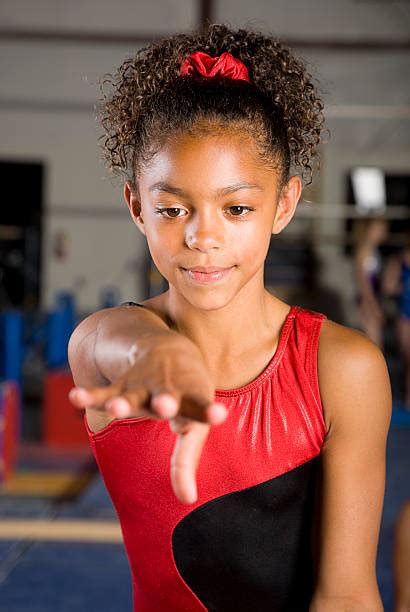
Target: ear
[287, 202]
[134, 206]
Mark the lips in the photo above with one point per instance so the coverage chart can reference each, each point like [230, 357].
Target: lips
[205, 275]
[206, 270]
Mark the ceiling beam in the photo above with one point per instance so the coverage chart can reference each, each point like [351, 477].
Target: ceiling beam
[122, 39]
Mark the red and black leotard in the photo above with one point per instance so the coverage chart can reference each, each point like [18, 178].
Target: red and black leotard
[246, 544]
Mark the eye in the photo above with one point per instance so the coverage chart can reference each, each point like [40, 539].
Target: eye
[169, 211]
[241, 208]
[173, 213]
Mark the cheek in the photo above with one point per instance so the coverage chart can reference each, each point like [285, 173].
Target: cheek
[163, 243]
[254, 242]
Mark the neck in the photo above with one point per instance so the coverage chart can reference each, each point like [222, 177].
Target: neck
[222, 334]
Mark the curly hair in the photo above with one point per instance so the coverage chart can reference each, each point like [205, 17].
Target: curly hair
[148, 102]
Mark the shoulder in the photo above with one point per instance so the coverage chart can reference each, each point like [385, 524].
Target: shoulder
[342, 347]
[352, 375]
[82, 340]
[85, 330]
[88, 326]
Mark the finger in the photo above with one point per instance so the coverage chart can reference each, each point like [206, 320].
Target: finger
[216, 413]
[119, 407]
[165, 405]
[110, 398]
[185, 459]
[92, 397]
[130, 404]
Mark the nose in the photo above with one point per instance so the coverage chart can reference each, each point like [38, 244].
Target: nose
[204, 232]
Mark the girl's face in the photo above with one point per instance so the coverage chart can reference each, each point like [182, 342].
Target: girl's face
[208, 202]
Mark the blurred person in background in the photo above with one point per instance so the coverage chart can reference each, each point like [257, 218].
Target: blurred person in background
[368, 235]
[396, 283]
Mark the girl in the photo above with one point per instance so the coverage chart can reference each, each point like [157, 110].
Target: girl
[271, 418]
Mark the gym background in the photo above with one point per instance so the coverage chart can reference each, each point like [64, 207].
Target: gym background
[60, 208]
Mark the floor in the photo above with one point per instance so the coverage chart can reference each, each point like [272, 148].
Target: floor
[66, 567]
[67, 572]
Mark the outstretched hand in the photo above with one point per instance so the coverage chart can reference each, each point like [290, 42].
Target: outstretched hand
[160, 386]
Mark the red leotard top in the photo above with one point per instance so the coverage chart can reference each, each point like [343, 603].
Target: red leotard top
[246, 544]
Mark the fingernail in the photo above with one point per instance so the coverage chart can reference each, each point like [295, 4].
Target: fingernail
[191, 495]
[78, 393]
[119, 407]
[165, 405]
[217, 413]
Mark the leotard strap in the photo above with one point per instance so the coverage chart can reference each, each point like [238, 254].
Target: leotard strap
[132, 304]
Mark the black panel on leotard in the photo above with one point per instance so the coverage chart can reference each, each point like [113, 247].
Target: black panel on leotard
[251, 550]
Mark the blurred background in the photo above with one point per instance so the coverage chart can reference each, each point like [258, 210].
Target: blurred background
[68, 248]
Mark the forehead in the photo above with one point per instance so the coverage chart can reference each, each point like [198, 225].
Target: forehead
[209, 162]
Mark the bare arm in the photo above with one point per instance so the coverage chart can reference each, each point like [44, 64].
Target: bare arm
[128, 363]
[356, 393]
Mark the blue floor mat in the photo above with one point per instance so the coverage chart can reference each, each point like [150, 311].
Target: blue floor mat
[63, 577]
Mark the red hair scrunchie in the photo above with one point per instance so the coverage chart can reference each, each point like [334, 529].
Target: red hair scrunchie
[225, 65]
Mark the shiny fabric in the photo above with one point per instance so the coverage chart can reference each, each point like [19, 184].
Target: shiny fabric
[275, 424]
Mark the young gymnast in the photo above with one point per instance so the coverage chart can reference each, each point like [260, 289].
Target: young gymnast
[242, 439]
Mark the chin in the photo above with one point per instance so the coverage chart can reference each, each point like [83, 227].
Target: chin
[208, 301]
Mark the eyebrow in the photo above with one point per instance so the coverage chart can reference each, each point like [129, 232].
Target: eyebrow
[163, 186]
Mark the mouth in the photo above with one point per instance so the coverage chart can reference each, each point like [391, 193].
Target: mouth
[207, 270]
[206, 275]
